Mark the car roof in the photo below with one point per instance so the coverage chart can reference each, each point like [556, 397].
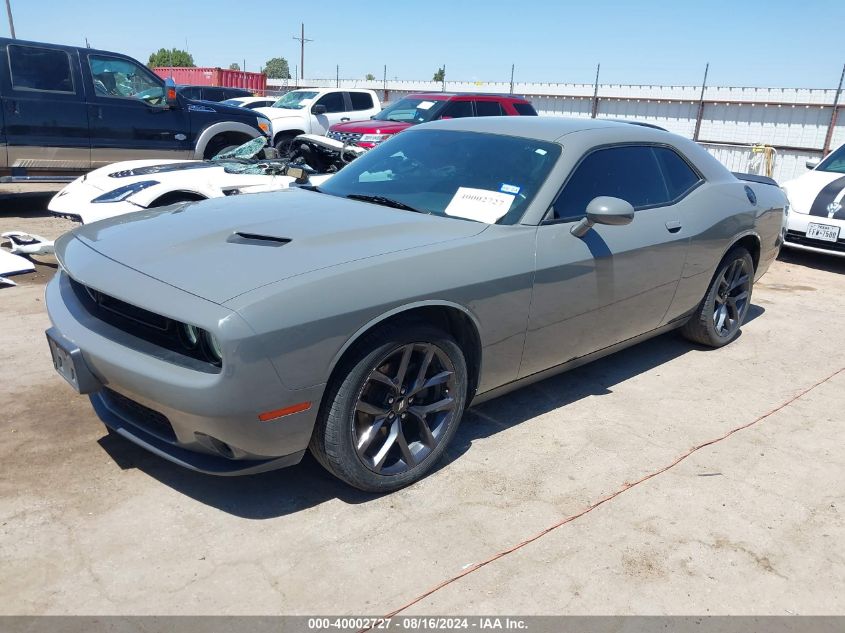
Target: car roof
[445, 96]
[546, 128]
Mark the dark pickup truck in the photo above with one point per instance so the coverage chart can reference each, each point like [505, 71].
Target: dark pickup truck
[67, 110]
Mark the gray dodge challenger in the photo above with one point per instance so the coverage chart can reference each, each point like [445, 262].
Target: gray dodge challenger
[359, 319]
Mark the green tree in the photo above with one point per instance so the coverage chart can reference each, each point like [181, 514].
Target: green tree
[370, 77]
[277, 68]
[172, 57]
[234, 66]
[440, 75]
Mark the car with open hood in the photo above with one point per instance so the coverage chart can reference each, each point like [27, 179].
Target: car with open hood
[359, 318]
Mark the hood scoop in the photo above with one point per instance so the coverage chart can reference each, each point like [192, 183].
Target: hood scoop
[256, 239]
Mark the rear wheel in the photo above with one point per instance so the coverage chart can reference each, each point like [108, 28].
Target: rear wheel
[719, 317]
[393, 408]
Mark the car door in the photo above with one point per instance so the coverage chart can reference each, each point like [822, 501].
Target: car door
[336, 109]
[457, 110]
[615, 282]
[127, 112]
[46, 125]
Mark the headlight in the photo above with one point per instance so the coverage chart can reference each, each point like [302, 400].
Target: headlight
[374, 138]
[212, 346]
[264, 125]
[121, 193]
[190, 335]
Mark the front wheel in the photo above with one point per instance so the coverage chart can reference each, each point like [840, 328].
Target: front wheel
[717, 320]
[393, 408]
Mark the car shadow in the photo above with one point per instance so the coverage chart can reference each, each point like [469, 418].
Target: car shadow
[290, 490]
[818, 261]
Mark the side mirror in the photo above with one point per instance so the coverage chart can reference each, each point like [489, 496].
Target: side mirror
[318, 109]
[812, 163]
[604, 210]
[170, 92]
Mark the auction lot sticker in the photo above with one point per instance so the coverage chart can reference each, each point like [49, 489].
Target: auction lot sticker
[480, 205]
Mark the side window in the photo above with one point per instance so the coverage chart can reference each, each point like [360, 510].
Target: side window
[679, 176]
[361, 101]
[42, 69]
[333, 101]
[631, 173]
[525, 109]
[123, 79]
[457, 110]
[191, 92]
[488, 108]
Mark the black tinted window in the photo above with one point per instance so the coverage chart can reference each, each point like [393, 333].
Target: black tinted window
[630, 173]
[333, 101]
[678, 174]
[488, 108]
[361, 101]
[457, 109]
[191, 93]
[35, 68]
[525, 109]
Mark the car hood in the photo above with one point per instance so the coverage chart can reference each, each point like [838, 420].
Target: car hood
[371, 126]
[815, 188]
[282, 113]
[221, 248]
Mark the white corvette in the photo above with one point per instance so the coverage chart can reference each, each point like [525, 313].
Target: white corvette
[816, 220]
[141, 184]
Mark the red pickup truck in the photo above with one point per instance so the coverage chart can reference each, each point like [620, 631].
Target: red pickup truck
[427, 106]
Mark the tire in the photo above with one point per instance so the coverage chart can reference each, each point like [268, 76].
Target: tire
[719, 317]
[377, 429]
[283, 143]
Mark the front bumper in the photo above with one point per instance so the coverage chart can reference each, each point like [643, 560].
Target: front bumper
[796, 235]
[204, 421]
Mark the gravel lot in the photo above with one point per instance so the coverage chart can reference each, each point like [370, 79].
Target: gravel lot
[753, 524]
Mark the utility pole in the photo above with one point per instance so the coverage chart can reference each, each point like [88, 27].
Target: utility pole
[11, 21]
[513, 68]
[833, 116]
[595, 109]
[302, 40]
[700, 114]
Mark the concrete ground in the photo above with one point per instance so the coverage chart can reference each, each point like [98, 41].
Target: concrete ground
[90, 524]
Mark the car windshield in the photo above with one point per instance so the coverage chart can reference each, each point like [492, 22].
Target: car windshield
[478, 176]
[294, 100]
[835, 162]
[410, 110]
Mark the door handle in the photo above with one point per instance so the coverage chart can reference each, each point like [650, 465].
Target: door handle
[673, 226]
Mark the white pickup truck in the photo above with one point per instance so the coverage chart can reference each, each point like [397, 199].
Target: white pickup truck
[315, 110]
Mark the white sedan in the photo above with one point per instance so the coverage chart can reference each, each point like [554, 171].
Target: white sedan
[142, 184]
[816, 220]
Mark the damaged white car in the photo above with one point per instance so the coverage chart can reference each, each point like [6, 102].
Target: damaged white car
[141, 184]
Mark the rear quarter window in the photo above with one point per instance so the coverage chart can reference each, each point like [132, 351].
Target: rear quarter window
[679, 176]
[40, 69]
[361, 101]
[525, 109]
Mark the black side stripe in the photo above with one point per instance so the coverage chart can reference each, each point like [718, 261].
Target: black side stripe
[826, 196]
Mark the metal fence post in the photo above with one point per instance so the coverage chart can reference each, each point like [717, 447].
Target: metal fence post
[700, 113]
[595, 109]
[833, 116]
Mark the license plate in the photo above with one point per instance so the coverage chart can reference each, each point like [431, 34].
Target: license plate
[63, 362]
[823, 232]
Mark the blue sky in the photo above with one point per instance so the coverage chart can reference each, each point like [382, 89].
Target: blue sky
[748, 43]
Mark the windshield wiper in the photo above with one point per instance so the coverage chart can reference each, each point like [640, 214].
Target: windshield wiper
[387, 202]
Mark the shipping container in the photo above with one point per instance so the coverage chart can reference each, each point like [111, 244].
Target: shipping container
[254, 82]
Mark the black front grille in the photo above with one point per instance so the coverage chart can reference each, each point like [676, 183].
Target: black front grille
[797, 237]
[345, 137]
[137, 414]
[159, 330]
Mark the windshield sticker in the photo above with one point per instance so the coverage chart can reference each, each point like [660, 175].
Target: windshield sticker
[425, 105]
[480, 205]
[506, 188]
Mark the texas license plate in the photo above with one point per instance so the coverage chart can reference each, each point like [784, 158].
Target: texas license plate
[823, 232]
[63, 362]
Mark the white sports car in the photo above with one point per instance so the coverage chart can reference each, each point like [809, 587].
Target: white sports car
[141, 184]
[816, 220]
